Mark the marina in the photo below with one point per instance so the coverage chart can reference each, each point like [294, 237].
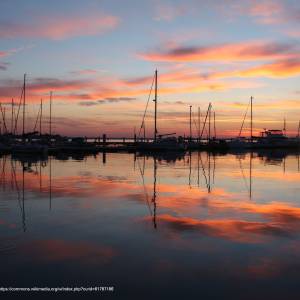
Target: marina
[150, 150]
[37, 142]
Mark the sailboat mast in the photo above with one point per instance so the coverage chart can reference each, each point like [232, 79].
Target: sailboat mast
[215, 130]
[190, 123]
[198, 124]
[4, 121]
[155, 107]
[4, 117]
[24, 104]
[41, 117]
[12, 115]
[50, 124]
[251, 119]
[209, 116]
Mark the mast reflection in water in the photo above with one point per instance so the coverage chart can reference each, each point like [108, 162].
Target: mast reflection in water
[207, 225]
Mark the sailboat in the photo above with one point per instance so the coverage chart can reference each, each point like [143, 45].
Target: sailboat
[243, 142]
[160, 142]
[27, 146]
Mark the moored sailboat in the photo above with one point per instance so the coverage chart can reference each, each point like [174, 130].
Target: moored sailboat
[26, 145]
[160, 142]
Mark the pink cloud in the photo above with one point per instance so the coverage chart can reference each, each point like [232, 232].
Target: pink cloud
[11, 51]
[60, 27]
[3, 53]
[262, 12]
[267, 12]
[168, 11]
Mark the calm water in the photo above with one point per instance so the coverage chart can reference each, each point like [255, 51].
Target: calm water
[212, 227]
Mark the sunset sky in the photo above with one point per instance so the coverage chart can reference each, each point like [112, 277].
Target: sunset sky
[99, 57]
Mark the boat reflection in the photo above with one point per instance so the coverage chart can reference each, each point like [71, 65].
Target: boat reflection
[202, 171]
[15, 168]
[198, 212]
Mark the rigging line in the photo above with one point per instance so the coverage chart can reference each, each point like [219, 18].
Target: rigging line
[245, 115]
[195, 123]
[197, 127]
[143, 121]
[205, 120]
[12, 115]
[36, 121]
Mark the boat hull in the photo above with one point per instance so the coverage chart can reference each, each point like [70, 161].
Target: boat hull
[29, 149]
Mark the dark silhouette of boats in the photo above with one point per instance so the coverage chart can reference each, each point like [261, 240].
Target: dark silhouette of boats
[272, 138]
[75, 144]
[163, 144]
[275, 139]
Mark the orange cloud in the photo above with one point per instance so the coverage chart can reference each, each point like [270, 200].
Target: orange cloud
[235, 230]
[182, 75]
[63, 186]
[280, 68]
[245, 51]
[110, 88]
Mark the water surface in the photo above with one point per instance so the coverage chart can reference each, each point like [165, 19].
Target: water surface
[199, 225]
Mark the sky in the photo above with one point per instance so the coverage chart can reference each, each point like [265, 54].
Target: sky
[99, 58]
